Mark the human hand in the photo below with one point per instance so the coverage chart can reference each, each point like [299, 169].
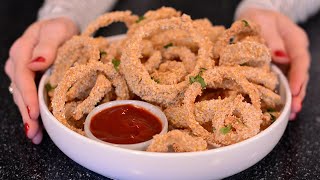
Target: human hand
[289, 45]
[35, 51]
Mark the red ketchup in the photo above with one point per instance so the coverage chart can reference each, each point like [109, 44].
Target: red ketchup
[125, 124]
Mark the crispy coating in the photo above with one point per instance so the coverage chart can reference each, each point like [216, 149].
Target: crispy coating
[238, 30]
[248, 53]
[81, 88]
[205, 27]
[101, 87]
[170, 72]
[161, 13]
[227, 78]
[153, 61]
[214, 84]
[180, 141]
[109, 18]
[78, 72]
[188, 104]
[77, 50]
[235, 122]
[259, 76]
[137, 76]
[187, 57]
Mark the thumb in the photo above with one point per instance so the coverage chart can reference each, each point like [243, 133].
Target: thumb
[276, 44]
[51, 36]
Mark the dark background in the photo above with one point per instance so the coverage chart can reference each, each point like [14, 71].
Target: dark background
[295, 157]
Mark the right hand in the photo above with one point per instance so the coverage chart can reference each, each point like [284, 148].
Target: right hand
[35, 51]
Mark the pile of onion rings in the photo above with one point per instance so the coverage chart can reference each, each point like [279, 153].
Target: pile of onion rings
[214, 84]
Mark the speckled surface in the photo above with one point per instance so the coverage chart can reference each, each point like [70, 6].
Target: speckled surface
[297, 155]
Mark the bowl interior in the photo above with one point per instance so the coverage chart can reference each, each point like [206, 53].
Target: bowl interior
[121, 163]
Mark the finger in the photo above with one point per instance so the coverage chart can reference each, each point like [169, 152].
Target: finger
[292, 116]
[25, 84]
[31, 126]
[51, 37]
[38, 137]
[23, 77]
[296, 105]
[8, 68]
[274, 41]
[296, 43]
[303, 90]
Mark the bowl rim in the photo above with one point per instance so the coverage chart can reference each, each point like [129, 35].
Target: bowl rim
[286, 108]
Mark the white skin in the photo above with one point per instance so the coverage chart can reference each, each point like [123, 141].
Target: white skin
[282, 34]
[43, 38]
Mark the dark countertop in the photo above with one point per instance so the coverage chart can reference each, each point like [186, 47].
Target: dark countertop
[296, 156]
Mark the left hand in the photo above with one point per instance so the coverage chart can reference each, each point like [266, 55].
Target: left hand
[289, 45]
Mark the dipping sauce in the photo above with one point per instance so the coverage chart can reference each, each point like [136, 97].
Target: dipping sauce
[125, 124]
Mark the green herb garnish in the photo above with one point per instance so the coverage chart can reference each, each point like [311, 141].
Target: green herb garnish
[226, 129]
[168, 45]
[213, 129]
[198, 79]
[116, 63]
[202, 70]
[102, 54]
[49, 87]
[273, 117]
[246, 24]
[271, 110]
[140, 19]
[156, 80]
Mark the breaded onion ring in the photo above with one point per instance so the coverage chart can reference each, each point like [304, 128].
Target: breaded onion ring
[180, 141]
[137, 76]
[109, 18]
[245, 53]
[235, 122]
[186, 56]
[78, 72]
[79, 50]
[101, 87]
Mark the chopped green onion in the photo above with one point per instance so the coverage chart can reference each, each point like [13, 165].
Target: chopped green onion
[273, 117]
[168, 45]
[271, 110]
[49, 87]
[202, 70]
[225, 129]
[116, 63]
[246, 24]
[102, 54]
[198, 79]
[140, 19]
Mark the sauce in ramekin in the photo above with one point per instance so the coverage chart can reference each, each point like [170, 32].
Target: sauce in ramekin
[125, 124]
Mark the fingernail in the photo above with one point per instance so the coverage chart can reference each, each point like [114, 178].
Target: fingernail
[26, 128]
[280, 53]
[39, 59]
[28, 109]
[292, 117]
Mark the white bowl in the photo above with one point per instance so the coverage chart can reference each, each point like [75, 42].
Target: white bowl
[120, 163]
[141, 104]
